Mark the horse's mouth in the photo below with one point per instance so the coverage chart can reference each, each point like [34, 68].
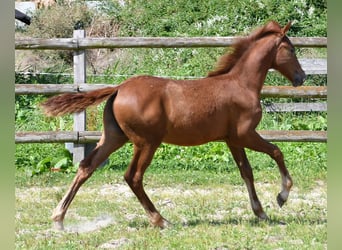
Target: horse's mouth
[299, 79]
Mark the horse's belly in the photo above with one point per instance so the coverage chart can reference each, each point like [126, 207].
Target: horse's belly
[192, 137]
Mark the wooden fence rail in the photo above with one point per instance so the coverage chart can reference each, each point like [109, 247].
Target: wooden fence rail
[79, 44]
[148, 42]
[267, 91]
[94, 136]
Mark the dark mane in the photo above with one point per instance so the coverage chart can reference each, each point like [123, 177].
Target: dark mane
[228, 60]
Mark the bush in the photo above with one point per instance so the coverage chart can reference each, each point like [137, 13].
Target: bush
[216, 17]
[59, 21]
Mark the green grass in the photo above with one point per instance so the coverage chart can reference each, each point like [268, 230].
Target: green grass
[209, 207]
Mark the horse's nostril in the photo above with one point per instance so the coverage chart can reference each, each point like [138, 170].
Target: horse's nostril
[298, 80]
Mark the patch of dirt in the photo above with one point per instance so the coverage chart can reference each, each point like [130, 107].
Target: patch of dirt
[113, 244]
[90, 225]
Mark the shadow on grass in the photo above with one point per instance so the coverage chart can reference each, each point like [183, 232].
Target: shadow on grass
[252, 222]
[255, 222]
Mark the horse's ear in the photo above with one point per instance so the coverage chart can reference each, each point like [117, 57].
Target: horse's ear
[286, 28]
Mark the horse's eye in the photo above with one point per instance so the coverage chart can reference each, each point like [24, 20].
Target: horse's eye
[292, 50]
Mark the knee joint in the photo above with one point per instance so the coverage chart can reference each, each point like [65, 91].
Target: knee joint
[133, 181]
[277, 154]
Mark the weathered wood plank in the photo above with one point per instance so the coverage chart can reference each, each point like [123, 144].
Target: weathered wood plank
[79, 77]
[90, 87]
[267, 91]
[295, 107]
[294, 135]
[314, 66]
[311, 42]
[48, 136]
[45, 89]
[89, 136]
[147, 42]
[94, 136]
[289, 91]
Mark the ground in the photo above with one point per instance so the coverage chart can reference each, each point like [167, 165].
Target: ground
[222, 209]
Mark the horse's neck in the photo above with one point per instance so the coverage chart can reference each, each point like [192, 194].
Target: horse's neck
[253, 66]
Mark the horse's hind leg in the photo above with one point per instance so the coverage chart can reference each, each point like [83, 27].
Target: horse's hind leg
[246, 172]
[111, 139]
[134, 177]
[85, 170]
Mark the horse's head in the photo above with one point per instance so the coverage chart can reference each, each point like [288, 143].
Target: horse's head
[286, 61]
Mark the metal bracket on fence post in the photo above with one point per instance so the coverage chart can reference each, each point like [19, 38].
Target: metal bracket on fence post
[79, 77]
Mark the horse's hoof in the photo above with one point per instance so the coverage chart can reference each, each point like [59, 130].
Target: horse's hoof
[58, 225]
[263, 216]
[280, 200]
[161, 223]
[165, 224]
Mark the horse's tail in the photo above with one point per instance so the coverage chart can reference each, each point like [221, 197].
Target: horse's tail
[75, 102]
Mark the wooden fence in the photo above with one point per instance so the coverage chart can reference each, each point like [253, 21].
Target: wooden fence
[80, 137]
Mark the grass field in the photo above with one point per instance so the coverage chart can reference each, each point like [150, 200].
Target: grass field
[208, 209]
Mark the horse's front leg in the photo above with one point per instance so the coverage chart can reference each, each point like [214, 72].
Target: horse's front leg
[255, 142]
[246, 172]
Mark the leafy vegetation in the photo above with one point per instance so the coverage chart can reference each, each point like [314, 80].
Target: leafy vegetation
[217, 17]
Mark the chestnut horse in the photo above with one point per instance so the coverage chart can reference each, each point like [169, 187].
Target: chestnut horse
[223, 106]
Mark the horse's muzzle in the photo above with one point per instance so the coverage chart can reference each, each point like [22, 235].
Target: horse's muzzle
[299, 79]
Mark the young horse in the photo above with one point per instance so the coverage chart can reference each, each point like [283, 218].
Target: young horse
[148, 110]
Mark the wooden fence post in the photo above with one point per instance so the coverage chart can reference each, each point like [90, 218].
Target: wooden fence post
[79, 77]
[80, 151]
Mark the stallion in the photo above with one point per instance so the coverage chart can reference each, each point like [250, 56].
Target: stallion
[224, 106]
